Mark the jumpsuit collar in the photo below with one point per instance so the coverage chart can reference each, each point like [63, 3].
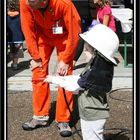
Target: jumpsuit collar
[42, 10]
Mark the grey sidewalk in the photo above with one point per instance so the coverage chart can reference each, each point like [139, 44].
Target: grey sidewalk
[21, 80]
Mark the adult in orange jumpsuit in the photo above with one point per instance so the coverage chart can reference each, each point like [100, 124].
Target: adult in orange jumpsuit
[47, 24]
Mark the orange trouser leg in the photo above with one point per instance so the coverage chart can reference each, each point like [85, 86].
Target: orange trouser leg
[62, 112]
[41, 91]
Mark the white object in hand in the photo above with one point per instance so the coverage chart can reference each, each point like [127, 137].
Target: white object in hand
[69, 82]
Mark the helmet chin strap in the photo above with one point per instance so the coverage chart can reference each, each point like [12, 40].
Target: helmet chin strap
[88, 64]
[101, 55]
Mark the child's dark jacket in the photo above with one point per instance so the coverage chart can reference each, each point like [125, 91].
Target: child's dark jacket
[99, 77]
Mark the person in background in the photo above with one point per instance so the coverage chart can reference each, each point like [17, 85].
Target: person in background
[101, 13]
[104, 13]
[14, 33]
[49, 24]
[93, 85]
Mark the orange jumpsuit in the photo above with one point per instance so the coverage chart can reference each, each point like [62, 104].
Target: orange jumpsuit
[40, 39]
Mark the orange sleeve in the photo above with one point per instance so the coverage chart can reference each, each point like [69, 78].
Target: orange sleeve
[73, 25]
[28, 28]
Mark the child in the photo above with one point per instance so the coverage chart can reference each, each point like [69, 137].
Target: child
[15, 35]
[104, 13]
[93, 85]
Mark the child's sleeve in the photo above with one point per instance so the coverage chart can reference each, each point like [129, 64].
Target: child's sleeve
[58, 80]
[107, 10]
[69, 83]
[83, 80]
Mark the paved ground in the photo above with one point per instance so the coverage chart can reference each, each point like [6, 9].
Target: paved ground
[19, 107]
[21, 79]
[118, 127]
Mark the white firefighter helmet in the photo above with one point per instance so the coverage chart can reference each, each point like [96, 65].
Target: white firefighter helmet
[103, 39]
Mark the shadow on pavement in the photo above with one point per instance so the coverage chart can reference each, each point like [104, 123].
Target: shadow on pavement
[110, 136]
[22, 66]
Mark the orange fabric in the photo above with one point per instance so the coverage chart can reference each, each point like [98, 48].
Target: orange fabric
[40, 44]
[36, 27]
[41, 92]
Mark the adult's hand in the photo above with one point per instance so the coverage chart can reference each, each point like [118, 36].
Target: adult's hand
[34, 64]
[62, 68]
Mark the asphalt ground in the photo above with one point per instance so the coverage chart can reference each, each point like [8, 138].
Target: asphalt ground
[118, 127]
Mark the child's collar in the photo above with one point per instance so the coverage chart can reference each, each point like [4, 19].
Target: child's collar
[102, 56]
